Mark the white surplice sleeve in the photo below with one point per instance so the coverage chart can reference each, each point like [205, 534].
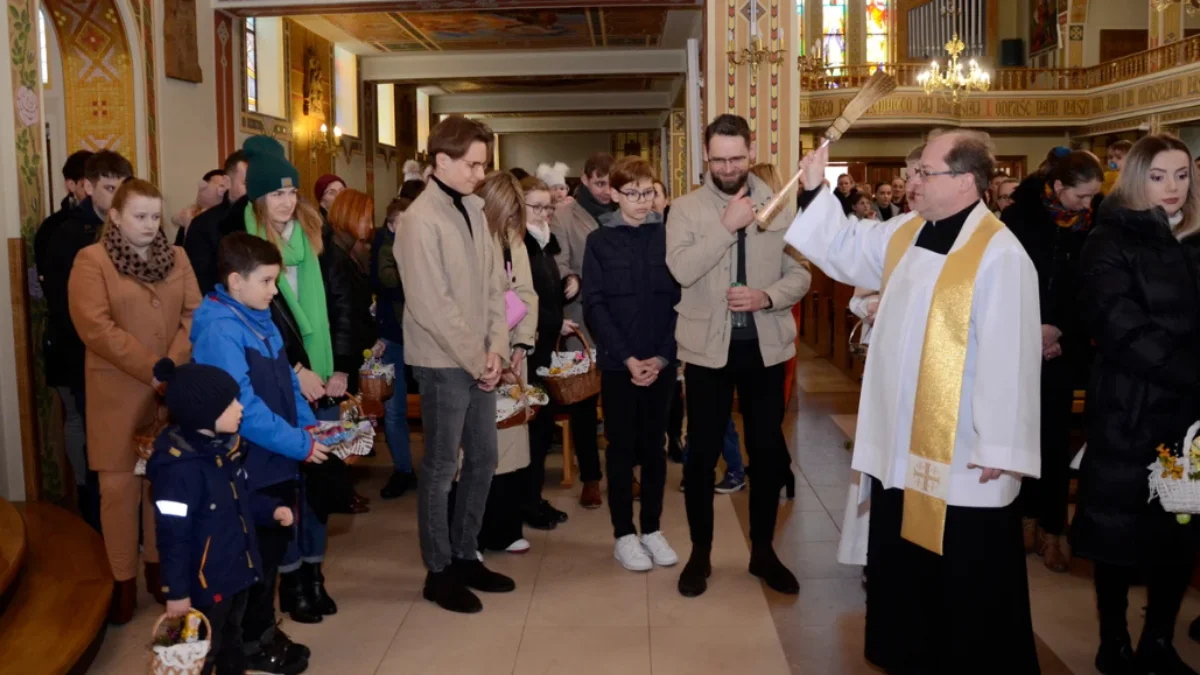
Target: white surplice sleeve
[850, 252]
[1006, 400]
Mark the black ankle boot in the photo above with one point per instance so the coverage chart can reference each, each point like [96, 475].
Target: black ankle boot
[765, 565]
[1157, 656]
[693, 580]
[789, 483]
[1115, 657]
[473, 574]
[293, 598]
[445, 589]
[316, 589]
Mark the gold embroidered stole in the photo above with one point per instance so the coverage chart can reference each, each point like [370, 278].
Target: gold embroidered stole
[939, 380]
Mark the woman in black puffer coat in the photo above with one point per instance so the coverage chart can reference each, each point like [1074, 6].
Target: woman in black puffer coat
[345, 266]
[1141, 303]
[1051, 215]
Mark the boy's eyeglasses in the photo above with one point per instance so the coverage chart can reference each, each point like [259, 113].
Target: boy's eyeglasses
[642, 196]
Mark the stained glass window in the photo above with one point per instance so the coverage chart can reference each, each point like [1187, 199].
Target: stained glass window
[878, 20]
[45, 55]
[833, 32]
[251, 66]
[800, 27]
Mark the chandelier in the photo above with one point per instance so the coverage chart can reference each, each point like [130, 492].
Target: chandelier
[953, 83]
[1192, 6]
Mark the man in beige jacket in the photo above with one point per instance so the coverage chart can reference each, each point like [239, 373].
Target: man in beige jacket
[571, 225]
[455, 333]
[735, 332]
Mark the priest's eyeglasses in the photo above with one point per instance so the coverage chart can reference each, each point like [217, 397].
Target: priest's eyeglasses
[925, 174]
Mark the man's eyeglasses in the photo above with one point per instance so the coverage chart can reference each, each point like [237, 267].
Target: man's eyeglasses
[474, 165]
[925, 174]
[541, 208]
[644, 195]
[728, 161]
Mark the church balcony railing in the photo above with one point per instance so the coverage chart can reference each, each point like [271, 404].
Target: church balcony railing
[1174, 55]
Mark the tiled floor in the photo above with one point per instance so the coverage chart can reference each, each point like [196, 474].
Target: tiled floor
[576, 611]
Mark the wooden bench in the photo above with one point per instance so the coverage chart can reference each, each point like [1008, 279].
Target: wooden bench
[12, 550]
[57, 612]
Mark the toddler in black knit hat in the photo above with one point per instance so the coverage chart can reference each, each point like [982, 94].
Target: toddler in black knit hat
[207, 545]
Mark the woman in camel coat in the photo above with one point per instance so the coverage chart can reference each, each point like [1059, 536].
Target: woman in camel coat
[131, 298]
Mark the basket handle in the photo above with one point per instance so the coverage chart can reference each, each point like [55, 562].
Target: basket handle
[158, 624]
[587, 347]
[1187, 449]
[857, 330]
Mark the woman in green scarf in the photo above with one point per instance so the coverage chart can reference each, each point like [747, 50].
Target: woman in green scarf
[275, 213]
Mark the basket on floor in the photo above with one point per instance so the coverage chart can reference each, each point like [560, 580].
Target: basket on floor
[1175, 479]
[569, 389]
[184, 658]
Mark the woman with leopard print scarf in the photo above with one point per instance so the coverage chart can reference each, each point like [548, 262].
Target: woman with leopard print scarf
[131, 299]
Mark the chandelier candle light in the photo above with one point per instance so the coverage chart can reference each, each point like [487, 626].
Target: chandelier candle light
[1192, 6]
[953, 83]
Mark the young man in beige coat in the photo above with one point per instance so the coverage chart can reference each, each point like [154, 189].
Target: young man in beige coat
[735, 331]
[571, 225]
[455, 333]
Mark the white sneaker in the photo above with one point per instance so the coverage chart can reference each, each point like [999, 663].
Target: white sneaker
[658, 548]
[519, 546]
[631, 555]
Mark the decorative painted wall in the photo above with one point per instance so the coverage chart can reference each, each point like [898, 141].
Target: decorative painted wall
[226, 99]
[97, 61]
[761, 96]
[43, 453]
[311, 159]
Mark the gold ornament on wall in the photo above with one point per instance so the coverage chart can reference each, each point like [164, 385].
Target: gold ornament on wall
[1192, 6]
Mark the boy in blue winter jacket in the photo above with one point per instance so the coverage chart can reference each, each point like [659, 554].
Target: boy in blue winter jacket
[232, 330]
[209, 553]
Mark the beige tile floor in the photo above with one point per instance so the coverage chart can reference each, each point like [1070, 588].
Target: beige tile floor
[576, 611]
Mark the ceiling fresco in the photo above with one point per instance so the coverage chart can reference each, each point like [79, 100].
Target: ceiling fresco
[500, 30]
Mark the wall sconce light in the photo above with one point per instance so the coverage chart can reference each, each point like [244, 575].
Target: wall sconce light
[324, 141]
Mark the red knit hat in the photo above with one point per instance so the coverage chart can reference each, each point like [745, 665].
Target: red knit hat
[324, 182]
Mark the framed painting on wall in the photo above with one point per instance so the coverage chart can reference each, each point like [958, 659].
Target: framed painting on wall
[180, 34]
[1043, 26]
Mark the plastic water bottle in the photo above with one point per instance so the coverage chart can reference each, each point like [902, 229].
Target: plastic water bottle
[739, 319]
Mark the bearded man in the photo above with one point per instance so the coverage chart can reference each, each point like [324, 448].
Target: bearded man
[735, 332]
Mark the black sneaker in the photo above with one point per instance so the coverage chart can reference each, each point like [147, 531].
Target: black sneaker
[1115, 658]
[1158, 657]
[294, 649]
[448, 592]
[398, 483]
[275, 658]
[559, 516]
[538, 518]
[693, 580]
[473, 574]
[765, 565]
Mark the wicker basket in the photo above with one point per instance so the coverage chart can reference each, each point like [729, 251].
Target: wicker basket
[162, 664]
[1177, 495]
[570, 389]
[144, 437]
[856, 344]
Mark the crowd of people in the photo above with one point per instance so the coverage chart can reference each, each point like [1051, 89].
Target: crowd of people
[253, 328]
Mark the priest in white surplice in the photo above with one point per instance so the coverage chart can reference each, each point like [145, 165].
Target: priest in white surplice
[948, 420]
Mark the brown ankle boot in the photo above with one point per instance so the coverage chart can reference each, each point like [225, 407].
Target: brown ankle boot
[1029, 534]
[154, 582]
[124, 602]
[590, 497]
[1053, 553]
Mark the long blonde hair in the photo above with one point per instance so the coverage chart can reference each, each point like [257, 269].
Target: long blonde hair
[503, 206]
[1130, 189]
[308, 217]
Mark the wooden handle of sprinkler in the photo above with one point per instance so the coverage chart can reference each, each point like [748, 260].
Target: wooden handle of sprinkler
[772, 208]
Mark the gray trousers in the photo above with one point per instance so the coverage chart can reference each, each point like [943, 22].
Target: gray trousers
[454, 414]
[74, 435]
